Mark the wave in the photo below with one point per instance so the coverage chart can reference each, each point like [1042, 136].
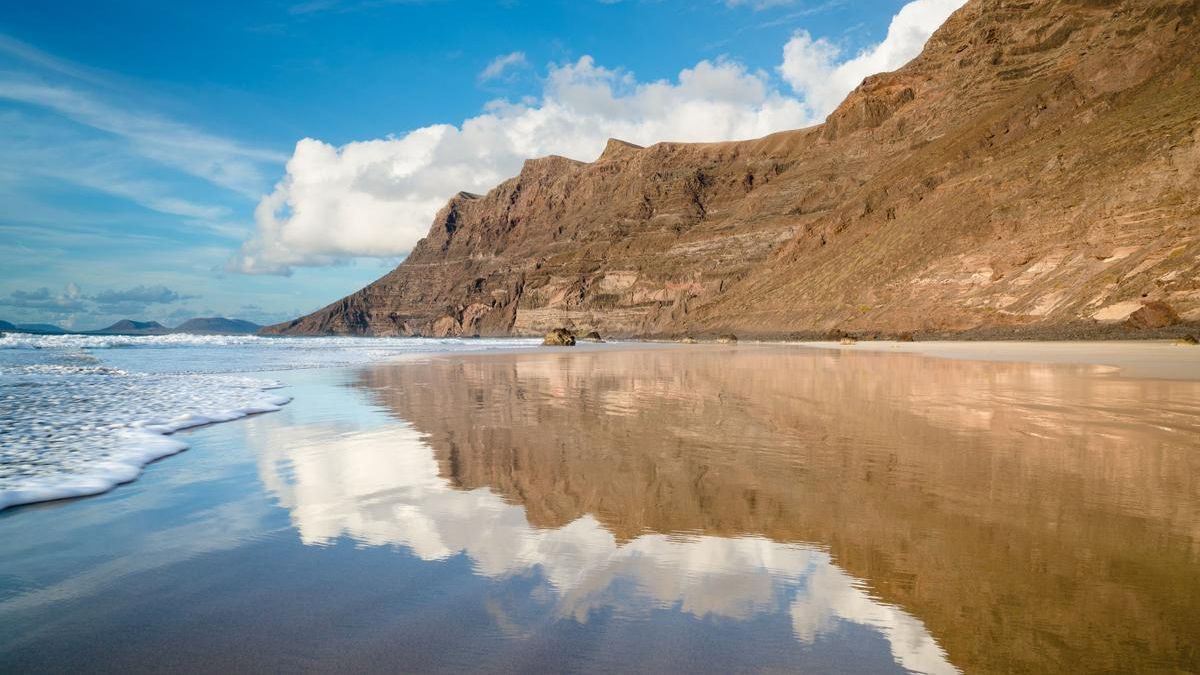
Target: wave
[33, 341]
[143, 442]
[80, 414]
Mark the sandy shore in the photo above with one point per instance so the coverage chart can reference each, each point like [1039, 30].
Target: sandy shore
[1155, 359]
[1138, 359]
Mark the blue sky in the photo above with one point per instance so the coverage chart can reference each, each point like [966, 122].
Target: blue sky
[259, 160]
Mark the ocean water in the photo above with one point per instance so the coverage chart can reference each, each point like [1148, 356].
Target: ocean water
[80, 414]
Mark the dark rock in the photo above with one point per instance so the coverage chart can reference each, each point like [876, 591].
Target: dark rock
[559, 337]
[1153, 315]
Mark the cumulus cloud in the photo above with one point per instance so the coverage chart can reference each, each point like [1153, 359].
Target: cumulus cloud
[816, 71]
[502, 64]
[376, 198]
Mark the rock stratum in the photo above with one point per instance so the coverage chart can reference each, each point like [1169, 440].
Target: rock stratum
[1035, 170]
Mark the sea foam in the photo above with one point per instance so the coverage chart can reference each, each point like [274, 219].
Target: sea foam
[69, 431]
[80, 414]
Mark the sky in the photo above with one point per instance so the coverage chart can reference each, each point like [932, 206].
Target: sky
[259, 160]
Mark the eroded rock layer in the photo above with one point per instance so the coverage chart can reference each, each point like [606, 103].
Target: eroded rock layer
[1037, 167]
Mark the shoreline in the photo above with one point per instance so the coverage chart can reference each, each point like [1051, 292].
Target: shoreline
[1134, 359]
[1141, 359]
[1137, 359]
[1070, 332]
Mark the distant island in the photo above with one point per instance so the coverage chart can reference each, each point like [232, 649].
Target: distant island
[218, 326]
[131, 327]
[215, 325]
[37, 328]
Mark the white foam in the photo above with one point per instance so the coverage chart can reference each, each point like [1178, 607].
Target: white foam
[142, 443]
[80, 414]
[32, 341]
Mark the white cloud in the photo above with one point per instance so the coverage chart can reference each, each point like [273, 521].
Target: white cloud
[377, 198]
[503, 63]
[220, 161]
[815, 71]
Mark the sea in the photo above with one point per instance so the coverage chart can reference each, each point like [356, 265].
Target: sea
[80, 414]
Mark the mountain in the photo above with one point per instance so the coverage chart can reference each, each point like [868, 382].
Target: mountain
[130, 327]
[199, 326]
[37, 328]
[1035, 171]
[41, 328]
[217, 326]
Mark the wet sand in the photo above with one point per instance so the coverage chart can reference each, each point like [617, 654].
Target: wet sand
[1142, 359]
[665, 508]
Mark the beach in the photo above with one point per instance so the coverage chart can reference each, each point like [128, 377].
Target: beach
[881, 507]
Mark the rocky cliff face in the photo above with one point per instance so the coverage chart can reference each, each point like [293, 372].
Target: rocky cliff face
[1036, 168]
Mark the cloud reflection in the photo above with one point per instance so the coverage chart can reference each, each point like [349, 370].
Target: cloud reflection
[382, 487]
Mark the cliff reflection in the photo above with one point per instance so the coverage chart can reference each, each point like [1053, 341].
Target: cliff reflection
[1031, 516]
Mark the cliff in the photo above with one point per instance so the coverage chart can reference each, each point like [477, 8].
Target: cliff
[1036, 168]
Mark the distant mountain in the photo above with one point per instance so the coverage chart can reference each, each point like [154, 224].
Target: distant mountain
[4, 325]
[217, 326]
[130, 327]
[41, 328]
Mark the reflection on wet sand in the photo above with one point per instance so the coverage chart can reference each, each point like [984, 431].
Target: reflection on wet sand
[383, 487]
[1022, 517]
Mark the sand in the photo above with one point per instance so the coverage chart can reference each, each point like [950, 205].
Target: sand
[1137, 359]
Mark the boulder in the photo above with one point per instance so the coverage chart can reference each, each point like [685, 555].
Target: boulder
[559, 337]
[446, 326]
[727, 339]
[1153, 315]
[1189, 340]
